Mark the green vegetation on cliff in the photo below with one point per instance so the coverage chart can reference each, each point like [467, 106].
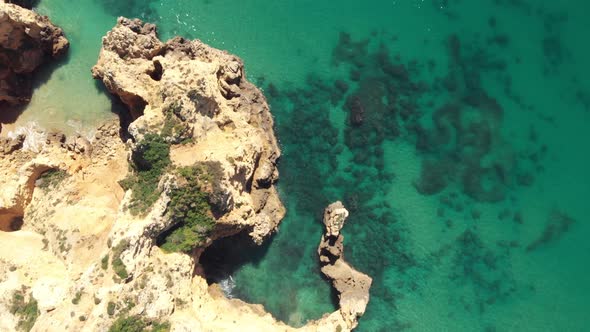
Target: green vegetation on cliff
[136, 323]
[27, 311]
[175, 130]
[190, 207]
[150, 159]
[51, 178]
[193, 203]
[117, 263]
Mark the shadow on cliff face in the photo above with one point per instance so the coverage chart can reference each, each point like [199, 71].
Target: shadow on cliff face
[12, 218]
[10, 113]
[226, 255]
[24, 3]
[118, 108]
[10, 222]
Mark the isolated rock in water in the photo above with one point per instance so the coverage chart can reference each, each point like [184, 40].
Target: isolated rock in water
[352, 286]
[558, 223]
[26, 41]
[334, 216]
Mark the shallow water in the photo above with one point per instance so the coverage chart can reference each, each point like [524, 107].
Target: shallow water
[454, 131]
[66, 97]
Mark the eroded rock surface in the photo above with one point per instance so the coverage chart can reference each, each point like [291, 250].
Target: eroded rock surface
[352, 286]
[334, 216]
[72, 244]
[26, 41]
[205, 91]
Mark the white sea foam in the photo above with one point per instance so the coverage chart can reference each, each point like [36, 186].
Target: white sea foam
[227, 286]
[84, 131]
[35, 136]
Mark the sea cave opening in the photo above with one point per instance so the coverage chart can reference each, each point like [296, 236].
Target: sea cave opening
[220, 264]
[224, 257]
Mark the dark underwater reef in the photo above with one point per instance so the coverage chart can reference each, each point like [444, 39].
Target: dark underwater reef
[447, 112]
[456, 126]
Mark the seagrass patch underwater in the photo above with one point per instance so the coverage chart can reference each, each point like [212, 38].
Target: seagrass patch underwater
[454, 131]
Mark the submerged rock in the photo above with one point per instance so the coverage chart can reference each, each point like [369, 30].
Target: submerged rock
[26, 41]
[558, 223]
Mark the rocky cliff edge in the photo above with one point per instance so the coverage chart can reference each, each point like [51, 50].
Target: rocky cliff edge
[26, 41]
[94, 229]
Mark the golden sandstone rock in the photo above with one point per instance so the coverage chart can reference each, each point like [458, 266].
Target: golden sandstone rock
[69, 239]
[26, 41]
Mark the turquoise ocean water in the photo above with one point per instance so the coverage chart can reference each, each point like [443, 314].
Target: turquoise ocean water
[454, 131]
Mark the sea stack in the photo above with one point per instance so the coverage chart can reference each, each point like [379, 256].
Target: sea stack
[352, 286]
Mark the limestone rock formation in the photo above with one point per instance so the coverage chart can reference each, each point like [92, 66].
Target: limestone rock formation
[72, 246]
[352, 286]
[26, 41]
[334, 216]
[205, 91]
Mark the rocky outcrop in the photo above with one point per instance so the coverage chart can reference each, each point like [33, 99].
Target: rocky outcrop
[334, 217]
[26, 41]
[9, 145]
[202, 90]
[352, 286]
[67, 200]
[87, 260]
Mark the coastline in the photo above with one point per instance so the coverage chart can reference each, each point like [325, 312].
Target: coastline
[224, 121]
[414, 244]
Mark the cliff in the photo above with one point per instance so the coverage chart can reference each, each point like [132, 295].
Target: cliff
[27, 40]
[108, 229]
[190, 93]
